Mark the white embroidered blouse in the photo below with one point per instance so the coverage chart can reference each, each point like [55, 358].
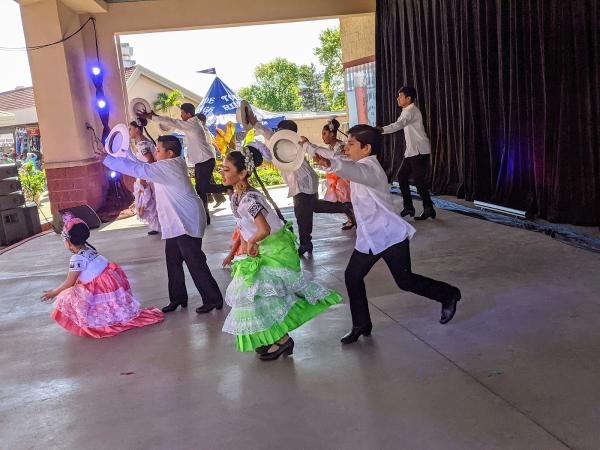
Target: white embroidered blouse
[247, 206]
[88, 263]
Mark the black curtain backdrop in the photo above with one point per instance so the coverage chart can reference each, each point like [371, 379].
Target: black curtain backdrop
[510, 94]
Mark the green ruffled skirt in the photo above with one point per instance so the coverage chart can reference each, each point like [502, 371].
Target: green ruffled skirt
[269, 294]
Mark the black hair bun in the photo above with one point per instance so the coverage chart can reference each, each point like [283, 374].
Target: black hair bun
[257, 156]
[79, 234]
[142, 121]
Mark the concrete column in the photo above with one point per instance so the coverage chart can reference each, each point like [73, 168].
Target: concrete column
[64, 96]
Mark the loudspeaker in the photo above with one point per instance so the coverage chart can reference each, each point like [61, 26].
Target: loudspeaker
[12, 226]
[85, 213]
[11, 201]
[8, 170]
[10, 185]
[32, 219]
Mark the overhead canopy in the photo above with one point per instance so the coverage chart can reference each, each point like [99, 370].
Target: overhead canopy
[220, 105]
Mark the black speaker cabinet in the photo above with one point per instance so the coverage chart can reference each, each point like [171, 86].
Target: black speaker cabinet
[12, 226]
[8, 171]
[9, 185]
[11, 201]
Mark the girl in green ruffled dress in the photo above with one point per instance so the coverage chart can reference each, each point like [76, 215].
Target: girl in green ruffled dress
[269, 294]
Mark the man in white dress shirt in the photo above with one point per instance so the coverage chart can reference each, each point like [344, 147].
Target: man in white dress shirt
[217, 197]
[182, 220]
[303, 187]
[200, 150]
[380, 233]
[416, 156]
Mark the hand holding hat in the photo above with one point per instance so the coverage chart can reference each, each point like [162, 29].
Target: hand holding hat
[117, 142]
[287, 153]
[321, 161]
[139, 107]
[245, 116]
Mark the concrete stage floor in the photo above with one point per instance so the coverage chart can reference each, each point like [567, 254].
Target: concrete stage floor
[518, 367]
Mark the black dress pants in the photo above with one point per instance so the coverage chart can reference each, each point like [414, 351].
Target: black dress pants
[417, 167]
[203, 174]
[304, 207]
[397, 258]
[188, 249]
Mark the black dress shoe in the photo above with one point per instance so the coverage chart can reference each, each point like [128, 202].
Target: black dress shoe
[208, 308]
[262, 349]
[408, 212]
[152, 232]
[449, 308]
[426, 214]
[305, 249]
[355, 333]
[173, 306]
[286, 349]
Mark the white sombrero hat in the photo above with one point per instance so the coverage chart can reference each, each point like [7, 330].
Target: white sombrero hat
[117, 142]
[287, 153]
[243, 115]
[137, 107]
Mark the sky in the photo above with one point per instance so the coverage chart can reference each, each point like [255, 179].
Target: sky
[14, 65]
[234, 52]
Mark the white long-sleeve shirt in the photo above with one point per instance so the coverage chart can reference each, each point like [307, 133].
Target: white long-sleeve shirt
[302, 181]
[180, 210]
[378, 226]
[329, 152]
[411, 121]
[199, 145]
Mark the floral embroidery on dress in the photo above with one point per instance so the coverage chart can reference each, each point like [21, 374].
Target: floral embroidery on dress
[255, 208]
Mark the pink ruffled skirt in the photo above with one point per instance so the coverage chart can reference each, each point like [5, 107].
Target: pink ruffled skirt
[103, 307]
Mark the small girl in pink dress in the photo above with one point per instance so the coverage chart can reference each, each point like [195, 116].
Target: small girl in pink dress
[95, 300]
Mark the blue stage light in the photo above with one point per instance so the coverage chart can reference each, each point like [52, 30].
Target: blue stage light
[113, 174]
[101, 103]
[96, 71]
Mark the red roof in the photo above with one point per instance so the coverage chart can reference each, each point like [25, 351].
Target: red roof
[17, 99]
[129, 71]
[23, 97]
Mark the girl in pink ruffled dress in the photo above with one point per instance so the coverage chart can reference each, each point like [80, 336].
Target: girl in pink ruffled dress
[95, 300]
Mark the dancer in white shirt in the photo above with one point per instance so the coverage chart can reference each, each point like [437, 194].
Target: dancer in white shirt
[381, 233]
[182, 220]
[200, 150]
[143, 191]
[218, 197]
[338, 189]
[416, 156]
[303, 187]
[269, 294]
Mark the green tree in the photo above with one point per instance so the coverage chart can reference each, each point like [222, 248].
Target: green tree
[247, 93]
[330, 57]
[313, 98]
[33, 182]
[276, 87]
[164, 102]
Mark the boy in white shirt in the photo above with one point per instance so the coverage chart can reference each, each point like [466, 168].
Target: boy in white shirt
[416, 155]
[201, 152]
[303, 185]
[182, 219]
[380, 232]
[218, 197]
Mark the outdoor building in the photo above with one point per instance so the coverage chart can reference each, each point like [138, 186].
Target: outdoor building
[473, 325]
[64, 95]
[141, 82]
[19, 128]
